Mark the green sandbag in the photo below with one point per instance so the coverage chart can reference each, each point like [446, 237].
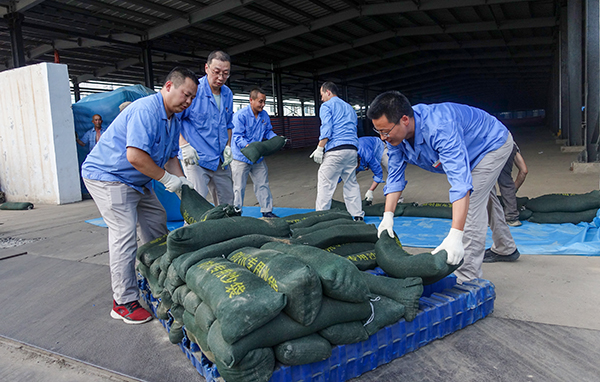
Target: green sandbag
[165, 303]
[563, 217]
[155, 270]
[430, 210]
[196, 335]
[339, 235]
[346, 249]
[398, 263]
[286, 274]
[177, 312]
[179, 294]
[187, 260]
[172, 281]
[521, 202]
[340, 279]
[345, 333]
[240, 300]
[303, 350]
[386, 312]
[193, 205]
[525, 214]
[318, 218]
[256, 366]
[372, 209]
[152, 250]
[204, 317]
[565, 202]
[363, 260]
[16, 206]
[256, 150]
[199, 235]
[221, 211]
[161, 280]
[176, 332]
[323, 226]
[191, 302]
[152, 281]
[406, 291]
[296, 218]
[282, 328]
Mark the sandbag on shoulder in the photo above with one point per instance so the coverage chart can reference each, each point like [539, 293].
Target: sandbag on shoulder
[563, 217]
[311, 220]
[430, 210]
[349, 233]
[193, 205]
[282, 328]
[340, 279]
[565, 202]
[238, 298]
[396, 262]
[256, 366]
[345, 333]
[255, 150]
[386, 312]
[286, 274]
[152, 250]
[406, 291]
[323, 225]
[185, 261]
[303, 350]
[199, 235]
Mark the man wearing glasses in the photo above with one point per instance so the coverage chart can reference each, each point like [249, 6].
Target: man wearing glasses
[470, 147]
[336, 152]
[205, 140]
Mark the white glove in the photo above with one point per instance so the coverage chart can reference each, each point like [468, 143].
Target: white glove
[172, 182]
[453, 245]
[317, 155]
[387, 224]
[189, 155]
[369, 196]
[227, 157]
[184, 182]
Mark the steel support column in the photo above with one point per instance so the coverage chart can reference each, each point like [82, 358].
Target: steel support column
[564, 78]
[279, 91]
[76, 90]
[15, 21]
[574, 69]
[317, 95]
[345, 92]
[302, 106]
[592, 102]
[147, 60]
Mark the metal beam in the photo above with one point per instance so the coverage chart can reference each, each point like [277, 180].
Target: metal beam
[592, 102]
[19, 6]
[574, 68]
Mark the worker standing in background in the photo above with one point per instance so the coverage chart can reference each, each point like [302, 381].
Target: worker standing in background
[141, 144]
[508, 187]
[372, 155]
[336, 152]
[252, 124]
[206, 132]
[470, 147]
[92, 136]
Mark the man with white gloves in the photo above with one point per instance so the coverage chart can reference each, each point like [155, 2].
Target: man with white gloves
[140, 145]
[336, 152]
[470, 147]
[372, 155]
[206, 132]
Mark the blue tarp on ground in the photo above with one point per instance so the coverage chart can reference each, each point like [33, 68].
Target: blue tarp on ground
[531, 238]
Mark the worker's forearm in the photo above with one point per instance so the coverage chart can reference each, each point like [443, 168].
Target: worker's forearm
[460, 208]
[520, 179]
[142, 162]
[323, 142]
[373, 186]
[391, 201]
[174, 167]
[182, 140]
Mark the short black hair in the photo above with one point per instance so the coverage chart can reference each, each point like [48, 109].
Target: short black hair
[393, 104]
[255, 92]
[178, 75]
[218, 55]
[328, 85]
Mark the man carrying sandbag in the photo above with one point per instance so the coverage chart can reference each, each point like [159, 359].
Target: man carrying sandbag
[252, 124]
[470, 147]
[140, 145]
[206, 132]
[336, 152]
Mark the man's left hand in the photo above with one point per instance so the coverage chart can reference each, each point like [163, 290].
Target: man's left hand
[227, 157]
[453, 245]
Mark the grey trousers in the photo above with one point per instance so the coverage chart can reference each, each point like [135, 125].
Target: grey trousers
[217, 182]
[259, 173]
[508, 191]
[484, 209]
[339, 164]
[122, 209]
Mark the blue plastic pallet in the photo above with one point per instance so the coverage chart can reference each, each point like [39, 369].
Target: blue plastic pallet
[444, 308]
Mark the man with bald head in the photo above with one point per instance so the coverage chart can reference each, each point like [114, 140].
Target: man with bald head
[91, 137]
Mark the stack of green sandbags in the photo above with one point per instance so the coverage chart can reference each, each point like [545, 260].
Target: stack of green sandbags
[564, 208]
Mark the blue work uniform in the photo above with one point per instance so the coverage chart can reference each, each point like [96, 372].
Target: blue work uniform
[248, 129]
[89, 138]
[449, 139]
[143, 125]
[338, 124]
[370, 151]
[205, 125]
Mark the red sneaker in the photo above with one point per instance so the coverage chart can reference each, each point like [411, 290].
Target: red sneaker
[130, 313]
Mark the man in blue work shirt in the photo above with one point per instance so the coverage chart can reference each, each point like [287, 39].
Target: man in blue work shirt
[206, 132]
[470, 147]
[140, 145]
[336, 152]
[92, 136]
[372, 155]
[252, 124]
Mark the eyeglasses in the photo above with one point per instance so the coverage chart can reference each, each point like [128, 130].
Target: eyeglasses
[385, 134]
[224, 75]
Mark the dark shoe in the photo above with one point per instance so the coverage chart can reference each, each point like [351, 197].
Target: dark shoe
[358, 219]
[514, 223]
[492, 257]
[269, 215]
[130, 313]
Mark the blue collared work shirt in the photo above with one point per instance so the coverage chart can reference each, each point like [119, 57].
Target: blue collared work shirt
[89, 138]
[205, 126]
[449, 138]
[248, 129]
[338, 123]
[370, 151]
[143, 125]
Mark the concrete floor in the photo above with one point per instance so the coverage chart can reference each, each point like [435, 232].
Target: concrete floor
[557, 296]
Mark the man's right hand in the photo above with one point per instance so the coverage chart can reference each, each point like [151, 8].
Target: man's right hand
[189, 155]
[387, 224]
[369, 196]
[171, 182]
[317, 155]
